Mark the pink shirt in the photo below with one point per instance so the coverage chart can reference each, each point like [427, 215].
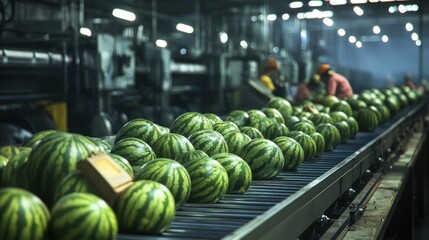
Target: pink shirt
[339, 86]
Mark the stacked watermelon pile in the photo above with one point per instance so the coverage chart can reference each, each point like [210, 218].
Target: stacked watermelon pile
[200, 158]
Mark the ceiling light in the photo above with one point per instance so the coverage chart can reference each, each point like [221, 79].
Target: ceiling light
[184, 28]
[409, 27]
[338, 2]
[315, 3]
[385, 38]
[376, 29]
[358, 1]
[418, 42]
[285, 16]
[358, 44]
[387, 0]
[300, 15]
[341, 32]
[223, 37]
[85, 31]
[402, 8]
[296, 4]
[271, 17]
[393, 9]
[124, 14]
[373, 1]
[253, 18]
[183, 51]
[414, 36]
[328, 22]
[243, 44]
[358, 10]
[161, 43]
[352, 39]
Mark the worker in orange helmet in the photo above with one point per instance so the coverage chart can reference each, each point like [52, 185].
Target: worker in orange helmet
[336, 84]
[271, 71]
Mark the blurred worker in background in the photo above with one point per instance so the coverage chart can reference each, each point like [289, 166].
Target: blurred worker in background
[271, 72]
[308, 89]
[409, 82]
[336, 84]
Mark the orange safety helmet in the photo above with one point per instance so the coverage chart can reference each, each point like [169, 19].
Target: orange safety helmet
[323, 68]
[272, 64]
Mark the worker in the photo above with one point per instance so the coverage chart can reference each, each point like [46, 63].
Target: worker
[271, 71]
[409, 82]
[308, 89]
[336, 84]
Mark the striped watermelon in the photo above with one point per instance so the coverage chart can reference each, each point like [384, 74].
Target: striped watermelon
[282, 105]
[329, 100]
[342, 106]
[225, 127]
[320, 142]
[162, 129]
[259, 122]
[123, 163]
[292, 152]
[213, 118]
[367, 120]
[53, 159]
[209, 141]
[293, 134]
[172, 145]
[147, 207]
[354, 127]
[74, 182]
[330, 134]
[308, 145]
[252, 132]
[276, 130]
[239, 172]
[142, 129]
[36, 138]
[304, 115]
[82, 216]
[191, 155]
[136, 151]
[236, 141]
[9, 151]
[356, 104]
[102, 144]
[190, 122]
[273, 114]
[209, 180]
[321, 118]
[256, 113]
[344, 130]
[338, 116]
[171, 174]
[291, 121]
[23, 215]
[264, 157]
[239, 117]
[12, 174]
[305, 127]
[3, 163]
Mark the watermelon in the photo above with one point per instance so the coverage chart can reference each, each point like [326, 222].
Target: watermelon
[139, 128]
[356, 104]
[367, 120]
[209, 141]
[338, 116]
[191, 155]
[36, 138]
[305, 127]
[123, 163]
[239, 117]
[344, 130]
[190, 122]
[23, 215]
[276, 130]
[330, 134]
[304, 115]
[209, 180]
[147, 207]
[53, 159]
[236, 142]
[393, 104]
[342, 106]
[293, 134]
[239, 172]
[136, 151]
[264, 157]
[12, 174]
[252, 132]
[3, 163]
[162, 129]
[291, 121]
[172, 145]
[320, 142]
[102, 144]
[74, 182]
[354, 126]
[292, 152]
[256, 113]
[379, 114]
[213, 118]
[9, 151]
[321, 118]
[260, 123]
[273, 114]
[329, 100]
[82, 216]
[171, 174]
[297, 109]
[225, 127]
[308, 145]
[282, 105]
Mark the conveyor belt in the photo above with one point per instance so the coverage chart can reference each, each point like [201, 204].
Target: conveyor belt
[215, 221]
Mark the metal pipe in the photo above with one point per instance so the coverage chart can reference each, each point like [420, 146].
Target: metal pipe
[197, 19]
[421, 47]
[154, 21]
